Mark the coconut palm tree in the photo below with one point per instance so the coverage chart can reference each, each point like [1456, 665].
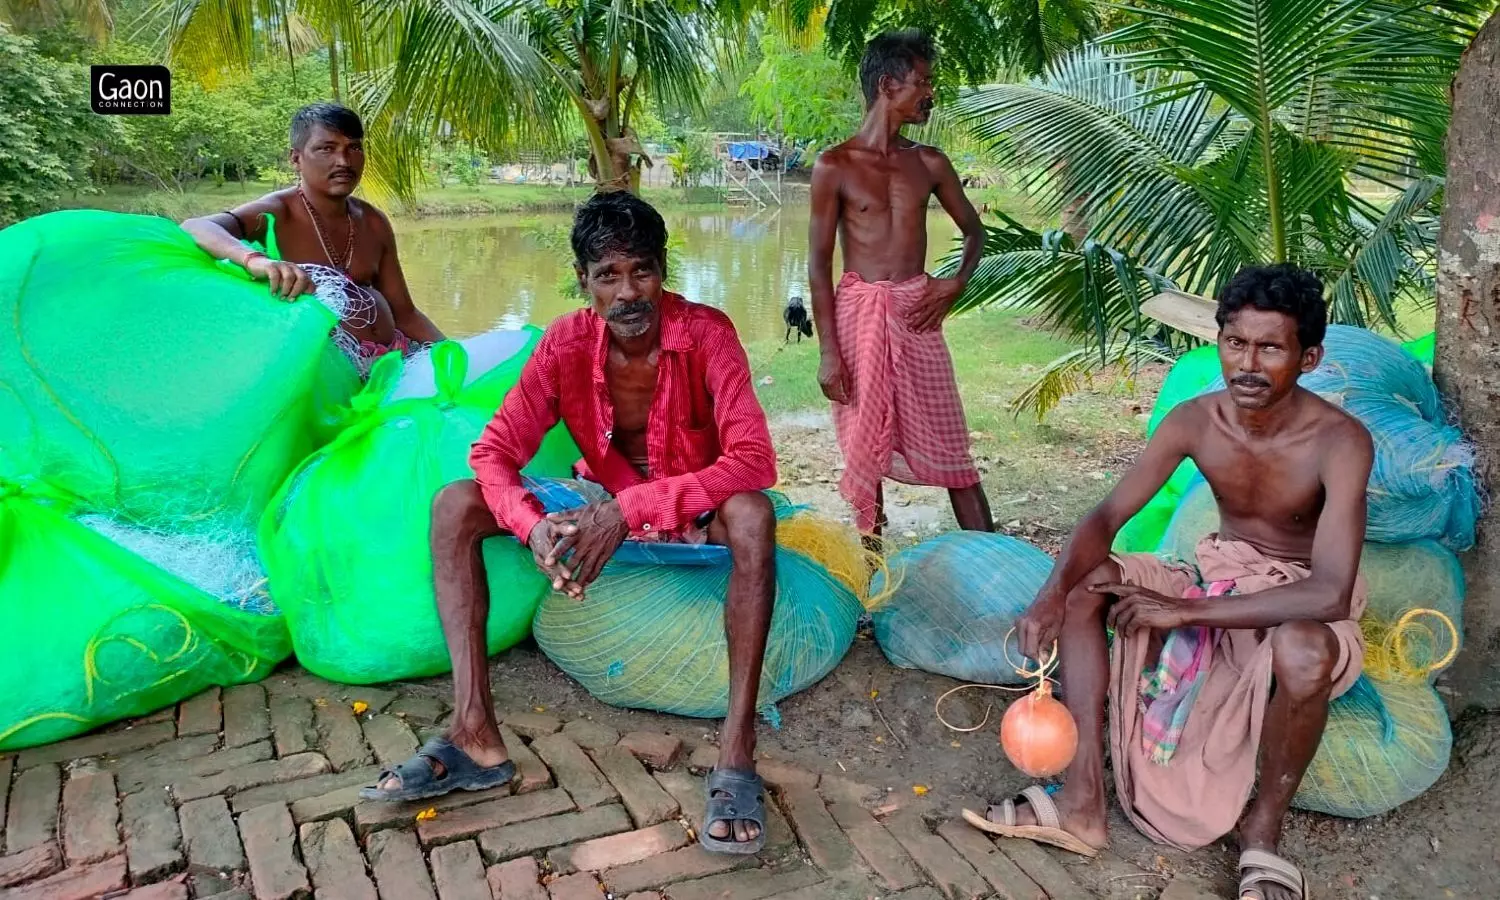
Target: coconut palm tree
[499, 73]
[1213, 134]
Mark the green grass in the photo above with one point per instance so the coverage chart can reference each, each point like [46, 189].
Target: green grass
[455, 200]
[1047, 473]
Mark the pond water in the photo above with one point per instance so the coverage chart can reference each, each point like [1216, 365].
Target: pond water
[472, 274]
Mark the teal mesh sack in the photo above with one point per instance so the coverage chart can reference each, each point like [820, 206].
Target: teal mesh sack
[1422, 484]
[95, 634]
[345, 542]
[957, 597]
[652, 636]
[146, 379]
[1386, 743]
[1193, 371]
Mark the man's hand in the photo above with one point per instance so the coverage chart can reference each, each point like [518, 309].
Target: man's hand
[287, 280]
[1138, 608]
[1040, 625]
[937, 300]
[833, 378]
[597, 531]
[545, 539]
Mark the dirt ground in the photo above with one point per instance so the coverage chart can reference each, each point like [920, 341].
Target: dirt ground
[876, 724]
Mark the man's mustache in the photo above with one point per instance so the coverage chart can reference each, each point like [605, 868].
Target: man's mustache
[629, 310]
[1250, 381]
[337, 172]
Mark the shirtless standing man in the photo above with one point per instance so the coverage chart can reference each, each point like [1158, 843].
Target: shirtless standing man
[320, 223]
[885, 364]
[1198, 681]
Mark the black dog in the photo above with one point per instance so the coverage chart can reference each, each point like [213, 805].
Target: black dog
[796, 318]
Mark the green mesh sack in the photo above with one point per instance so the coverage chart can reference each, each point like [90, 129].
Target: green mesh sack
[345, 542]
[1385, 744]
[652, 636]
[95, 634]
[1193, 371]
[1422, 348]
[150, 381]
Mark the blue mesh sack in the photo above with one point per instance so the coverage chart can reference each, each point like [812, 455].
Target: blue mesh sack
[957, 596]
[1422, 484]
[1386, 743]
[650, 635]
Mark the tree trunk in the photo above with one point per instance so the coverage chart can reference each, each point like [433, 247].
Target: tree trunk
[1467, 361]
[333, 63]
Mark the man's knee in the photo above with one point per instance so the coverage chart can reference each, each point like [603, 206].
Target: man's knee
[1086, 603]
[749, 520]
[1303, 654]
[459, 513]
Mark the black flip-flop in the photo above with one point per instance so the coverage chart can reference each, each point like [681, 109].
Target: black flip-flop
[744, 800]
[420, 781]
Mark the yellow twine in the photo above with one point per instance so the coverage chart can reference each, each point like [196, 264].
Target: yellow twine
[839, 549]
[1389, 653]
[1042, 673]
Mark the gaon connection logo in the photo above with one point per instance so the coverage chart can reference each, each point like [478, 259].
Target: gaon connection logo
[130, 90]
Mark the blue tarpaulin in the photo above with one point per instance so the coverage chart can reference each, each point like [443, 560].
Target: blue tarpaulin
[750, 150]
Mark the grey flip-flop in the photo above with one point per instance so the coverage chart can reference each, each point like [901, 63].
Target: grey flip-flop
[1258, 867]
[1001, 821]
[744, 796]
[420, 781]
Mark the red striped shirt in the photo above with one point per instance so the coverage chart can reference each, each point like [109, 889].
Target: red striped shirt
[706, 435]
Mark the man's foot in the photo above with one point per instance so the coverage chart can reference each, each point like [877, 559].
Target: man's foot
[442, 766]
[1036, 816]
[735, 818]
[1266, 876]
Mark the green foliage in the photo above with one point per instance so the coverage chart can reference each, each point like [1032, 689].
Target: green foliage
[805, 94]
[460, 164]
[691, 159]
[1230, 135]
[47, 130]
[976, 39]
[237, 128]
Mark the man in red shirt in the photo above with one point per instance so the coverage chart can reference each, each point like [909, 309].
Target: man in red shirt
[656, 392]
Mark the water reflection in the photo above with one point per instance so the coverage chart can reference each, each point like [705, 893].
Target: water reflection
[473, 274]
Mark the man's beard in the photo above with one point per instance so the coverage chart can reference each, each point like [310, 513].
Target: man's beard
[618, 315]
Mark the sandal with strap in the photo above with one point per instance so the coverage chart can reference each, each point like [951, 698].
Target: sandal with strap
[1259, 867]
[419, 778]
[1001, 820]
[742, 797]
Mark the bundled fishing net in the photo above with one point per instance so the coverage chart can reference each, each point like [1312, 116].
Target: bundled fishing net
[146, 379]
[1422, 349]
[1192, 372]
[958, 596]
[345, 542]
[1359, 361]
[1422, 484]
[1385, 744]
[221, 562]
[93, 633]
[651, 635]
[495, 361]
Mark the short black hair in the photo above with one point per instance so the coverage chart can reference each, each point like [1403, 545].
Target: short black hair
[618, 222]
[332, 116]
[894, 53]
[1282, 288]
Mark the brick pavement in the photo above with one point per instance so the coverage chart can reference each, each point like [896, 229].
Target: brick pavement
[252, 792]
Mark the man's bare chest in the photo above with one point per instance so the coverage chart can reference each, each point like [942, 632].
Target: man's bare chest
[303, 245]
[887, 189]
[1273, 484]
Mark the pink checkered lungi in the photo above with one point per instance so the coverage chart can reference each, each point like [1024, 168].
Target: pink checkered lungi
[905, 420]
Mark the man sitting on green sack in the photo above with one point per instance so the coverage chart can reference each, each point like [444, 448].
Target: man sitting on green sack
[656, 392]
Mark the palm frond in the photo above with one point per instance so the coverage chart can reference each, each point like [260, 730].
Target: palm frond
[1077, 370]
